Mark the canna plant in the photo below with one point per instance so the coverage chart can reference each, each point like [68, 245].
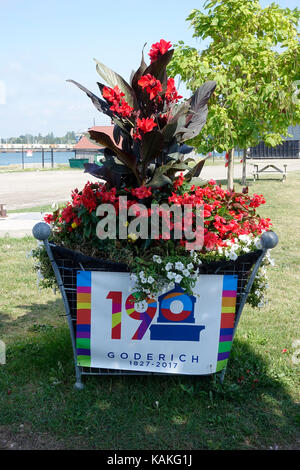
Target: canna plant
[151, 125]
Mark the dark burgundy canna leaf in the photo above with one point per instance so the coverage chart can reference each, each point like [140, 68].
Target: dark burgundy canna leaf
[137, 75]
[103, 172]
[197, 114]
[101, 105]
[151, 147]
[126, 158]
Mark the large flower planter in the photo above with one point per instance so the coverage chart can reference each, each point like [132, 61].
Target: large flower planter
[72, 270]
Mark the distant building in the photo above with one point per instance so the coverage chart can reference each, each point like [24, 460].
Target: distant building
[290, 148]
[84, 148]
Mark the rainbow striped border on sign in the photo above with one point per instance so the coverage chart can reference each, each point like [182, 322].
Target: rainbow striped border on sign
[227, 320]
[83, 329]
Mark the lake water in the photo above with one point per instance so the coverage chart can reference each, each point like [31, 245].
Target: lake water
[15, 158]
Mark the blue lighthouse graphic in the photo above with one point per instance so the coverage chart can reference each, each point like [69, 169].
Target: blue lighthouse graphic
[176, 326]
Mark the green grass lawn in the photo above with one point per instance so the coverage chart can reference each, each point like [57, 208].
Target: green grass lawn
[256, 408]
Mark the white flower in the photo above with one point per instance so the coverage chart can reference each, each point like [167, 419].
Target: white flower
[157, 259]
[179, 265]
[171, 275]
[232, 255]
[169, 266]
[151, 280]
[178, 278]
[186, 272]
[245, 238]
[246, 249]
[133, 277]
[234, 247]
[190, 266]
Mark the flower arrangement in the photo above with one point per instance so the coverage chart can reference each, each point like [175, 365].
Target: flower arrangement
[147, 169]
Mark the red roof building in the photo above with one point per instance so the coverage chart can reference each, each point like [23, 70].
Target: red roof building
[85, 148]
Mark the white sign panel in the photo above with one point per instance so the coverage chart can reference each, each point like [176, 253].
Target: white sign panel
[175, 333]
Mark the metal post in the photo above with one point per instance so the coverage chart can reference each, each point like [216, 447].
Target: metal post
[22, 157]
[52, 158]
[43, 158]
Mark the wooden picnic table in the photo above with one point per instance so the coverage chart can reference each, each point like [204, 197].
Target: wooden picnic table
[265, 167]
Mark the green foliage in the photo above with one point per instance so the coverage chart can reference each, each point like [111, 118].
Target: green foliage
[253, 55]
[68, 138]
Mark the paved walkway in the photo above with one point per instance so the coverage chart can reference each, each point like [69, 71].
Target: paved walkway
[19, 225]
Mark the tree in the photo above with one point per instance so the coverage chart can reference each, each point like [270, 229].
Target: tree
[253, 55]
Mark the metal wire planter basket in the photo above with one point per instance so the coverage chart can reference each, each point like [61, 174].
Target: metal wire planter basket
[66, 263]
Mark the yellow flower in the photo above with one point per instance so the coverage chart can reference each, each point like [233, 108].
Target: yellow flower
[132, 237]
[74, 225]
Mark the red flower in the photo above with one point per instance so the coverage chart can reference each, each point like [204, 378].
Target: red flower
[257, 200]
[48, 218]
[153, 86]
[210, 240]
[171, 93]
[145, 125]
[119, 105]
[158, 49]
[67, 214]
[142, 192]
[112, 94]
[123, 109]
[179, 181]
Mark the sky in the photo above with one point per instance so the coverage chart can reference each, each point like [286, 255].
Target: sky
[44, 43]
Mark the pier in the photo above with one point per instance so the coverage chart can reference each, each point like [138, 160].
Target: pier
[36, 147]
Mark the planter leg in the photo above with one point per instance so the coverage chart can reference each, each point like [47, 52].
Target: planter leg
[222, 376]
[78, 384]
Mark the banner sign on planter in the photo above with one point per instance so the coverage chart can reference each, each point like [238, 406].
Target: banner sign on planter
[175, 333]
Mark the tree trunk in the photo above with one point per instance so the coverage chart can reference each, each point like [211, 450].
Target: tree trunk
[244, 177]
[230, 169]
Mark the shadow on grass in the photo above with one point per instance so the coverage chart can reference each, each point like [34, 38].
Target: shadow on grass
[251, 410]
